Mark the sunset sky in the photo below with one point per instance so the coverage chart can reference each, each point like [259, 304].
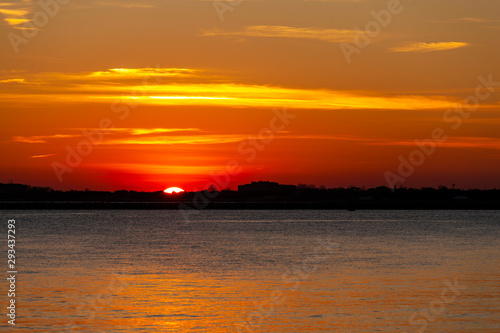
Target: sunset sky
[288, 90]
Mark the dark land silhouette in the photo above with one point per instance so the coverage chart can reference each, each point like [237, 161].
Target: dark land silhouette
[258, 195]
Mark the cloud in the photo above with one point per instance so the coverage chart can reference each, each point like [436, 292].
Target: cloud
[223, 138]
[141, 72]
[12, 81]
[121, 4]
[140, 136]
[179, 140]
[144, 131]
[196, 136]
[176, 136]
[456, 142]
[42, 138]
[270, 96]
[14, 13]
[429, 47]
[43, 156]
[145, 86]
[327, 35]
[476, 20]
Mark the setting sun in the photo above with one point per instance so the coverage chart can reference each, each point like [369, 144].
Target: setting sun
[171, 190]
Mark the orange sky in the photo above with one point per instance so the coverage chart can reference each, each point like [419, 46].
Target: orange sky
[187, 93]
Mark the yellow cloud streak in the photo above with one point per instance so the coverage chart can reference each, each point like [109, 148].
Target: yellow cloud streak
[108, 87]
[270, 96]
[15, 16]
[142, 131]
[16, 21]
[142, 72]
[12, 81]
[145, 76]
[177, 140]
[242, 96]
[429, 47]
[14, 12]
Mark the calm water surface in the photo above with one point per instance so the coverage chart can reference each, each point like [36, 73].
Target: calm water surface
[257, 271]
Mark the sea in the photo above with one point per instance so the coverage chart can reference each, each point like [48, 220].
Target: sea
[254, 271]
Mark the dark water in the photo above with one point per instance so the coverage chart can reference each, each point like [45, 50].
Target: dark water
[257, 271]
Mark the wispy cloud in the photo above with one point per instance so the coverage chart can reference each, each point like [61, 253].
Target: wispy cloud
[43, 156]
[142, 72]
[12, 81]
[208, 139]
[122, 133]
[42, 138]
[456, 142]
[15, 13]
[143, 131]
[141, 136]
[171, 136]
[327, 35]
[429, 47]
[476, 20]
[195, 136]
[121, 4]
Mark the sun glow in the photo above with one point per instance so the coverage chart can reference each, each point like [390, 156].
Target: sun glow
[171, 190]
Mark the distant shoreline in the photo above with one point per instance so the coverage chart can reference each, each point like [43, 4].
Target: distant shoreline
[13, 205]
[259, 196]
